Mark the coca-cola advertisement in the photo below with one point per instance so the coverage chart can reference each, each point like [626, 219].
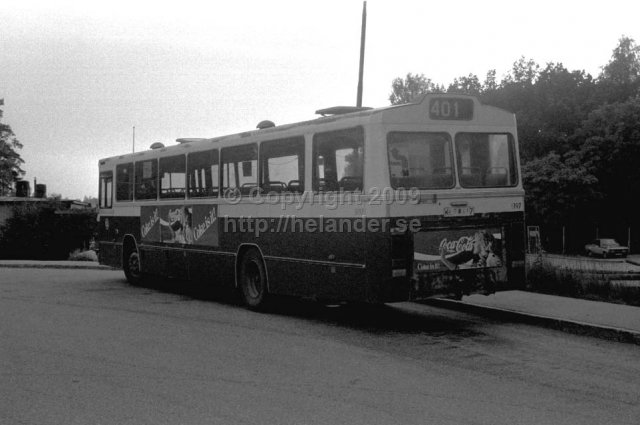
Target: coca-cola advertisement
[457, 249]
[180, 224]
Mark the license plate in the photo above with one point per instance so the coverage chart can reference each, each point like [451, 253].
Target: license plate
[458, 211]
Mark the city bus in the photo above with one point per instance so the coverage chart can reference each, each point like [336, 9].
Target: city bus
[397, 203]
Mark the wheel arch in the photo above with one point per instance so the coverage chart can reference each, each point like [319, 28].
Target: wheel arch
[242, 249]
[129, 243]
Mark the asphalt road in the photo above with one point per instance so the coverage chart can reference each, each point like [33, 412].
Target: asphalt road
[83, 347]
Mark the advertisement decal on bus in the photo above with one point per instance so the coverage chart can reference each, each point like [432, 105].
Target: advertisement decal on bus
[182, 224]
[457, 249]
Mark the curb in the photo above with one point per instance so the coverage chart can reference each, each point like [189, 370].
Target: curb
[569, 326]
[54, 266]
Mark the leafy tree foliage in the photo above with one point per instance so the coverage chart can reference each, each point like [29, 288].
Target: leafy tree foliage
[558, 189]
[411, 87]
[466, 85]
[610, 150]
[10, 160]
[620, 78]
[624, 65]
[490, 83]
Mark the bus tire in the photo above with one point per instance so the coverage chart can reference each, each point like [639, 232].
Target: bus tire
[252, 280]
[131, 267]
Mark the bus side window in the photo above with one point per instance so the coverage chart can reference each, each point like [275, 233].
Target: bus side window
[338, 160]
[124, 182]
[106, 190]
[240, 169]
[146, 186]
[172, 177]
[282, 165]
[203, 172]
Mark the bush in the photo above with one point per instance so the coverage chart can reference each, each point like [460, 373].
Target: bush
[80, 255]
[568, 283]
[541, 278]
[43, 232]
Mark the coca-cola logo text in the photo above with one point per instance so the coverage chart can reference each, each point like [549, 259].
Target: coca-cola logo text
[464, 243]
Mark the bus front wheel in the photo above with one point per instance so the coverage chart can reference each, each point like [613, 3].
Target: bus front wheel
[252, 280]
[131, 267]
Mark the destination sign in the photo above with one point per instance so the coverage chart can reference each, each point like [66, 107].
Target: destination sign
[442, 108]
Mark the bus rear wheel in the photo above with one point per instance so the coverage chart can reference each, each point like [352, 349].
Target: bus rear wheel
[131, 267]
[252, 281]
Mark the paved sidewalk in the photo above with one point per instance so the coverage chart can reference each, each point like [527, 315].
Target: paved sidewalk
[607, 320]
[33, 264]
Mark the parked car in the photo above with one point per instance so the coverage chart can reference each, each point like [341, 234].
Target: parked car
[606, 248]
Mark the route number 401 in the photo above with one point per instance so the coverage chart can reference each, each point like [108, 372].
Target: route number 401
[450, 109]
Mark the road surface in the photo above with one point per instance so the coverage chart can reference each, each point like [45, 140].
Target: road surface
[84, 347]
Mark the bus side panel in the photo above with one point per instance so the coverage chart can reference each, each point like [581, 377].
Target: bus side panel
[318, 264]
[211, 268]
[386, 253]
[153, 260]
[111, 231]
[319, 281]
[305, 259]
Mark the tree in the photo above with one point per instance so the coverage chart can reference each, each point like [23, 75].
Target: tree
[414, 85]
[466, 85]
[624, 66]
[610, 150]
[620, 78]
[558, 190]
[490, 83]
[523, 72]
[550, 104]
[10, 160]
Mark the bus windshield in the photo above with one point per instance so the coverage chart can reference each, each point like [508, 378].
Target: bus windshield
[420, 160]
[486, 160]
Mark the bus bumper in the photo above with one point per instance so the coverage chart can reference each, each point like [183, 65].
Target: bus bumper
[456, 283]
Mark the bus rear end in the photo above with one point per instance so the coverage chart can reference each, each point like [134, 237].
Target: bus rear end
[458, 206]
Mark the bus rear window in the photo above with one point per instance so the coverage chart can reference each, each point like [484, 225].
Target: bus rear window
[420, 160]
[486, 160]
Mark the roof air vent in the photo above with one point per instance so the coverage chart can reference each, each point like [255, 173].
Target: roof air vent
[190, 139]
[265, 124]
[340, 110]
[157, 145]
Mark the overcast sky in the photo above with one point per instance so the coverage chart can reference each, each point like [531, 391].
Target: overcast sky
[77, 76]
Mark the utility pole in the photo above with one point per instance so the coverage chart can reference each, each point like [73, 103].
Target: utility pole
[133, 147]
[362, 40]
